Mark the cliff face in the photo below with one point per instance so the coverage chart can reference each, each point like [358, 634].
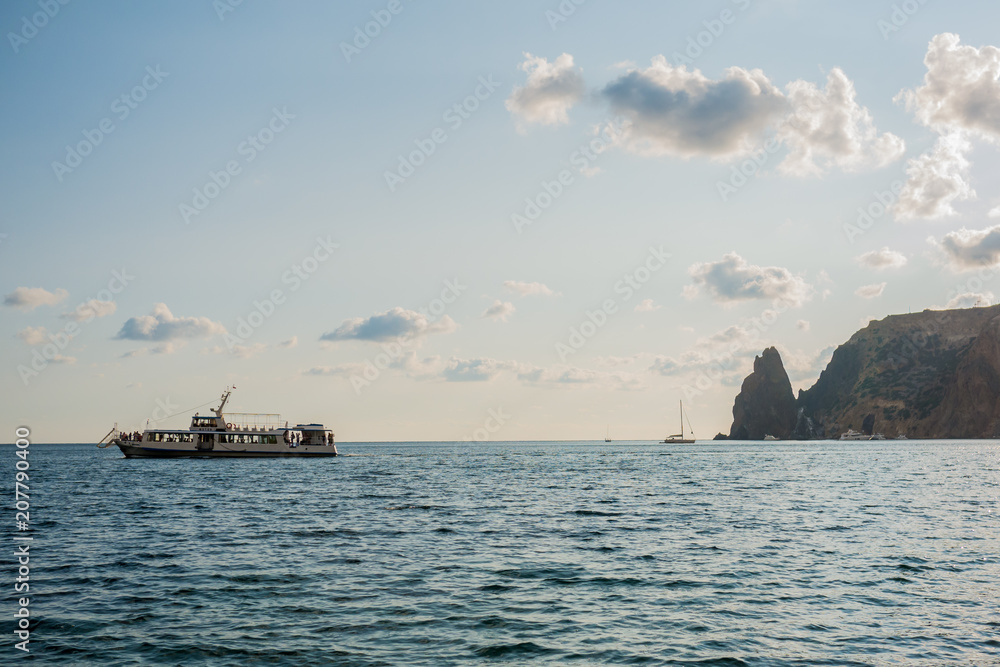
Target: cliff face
[765, 404]
[934, 374]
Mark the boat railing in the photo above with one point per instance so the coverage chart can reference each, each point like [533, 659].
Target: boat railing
[258, 421]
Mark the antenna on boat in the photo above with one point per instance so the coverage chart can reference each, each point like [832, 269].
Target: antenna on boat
[224, 398]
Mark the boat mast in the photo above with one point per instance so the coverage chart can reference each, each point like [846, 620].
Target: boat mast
[682, 419]
[225, 397]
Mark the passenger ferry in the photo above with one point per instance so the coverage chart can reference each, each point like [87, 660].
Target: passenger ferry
[226, 436]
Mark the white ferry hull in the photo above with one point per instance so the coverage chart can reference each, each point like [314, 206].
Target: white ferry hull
[178, 450]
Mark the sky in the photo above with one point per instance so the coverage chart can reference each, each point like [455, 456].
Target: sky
[476, 221]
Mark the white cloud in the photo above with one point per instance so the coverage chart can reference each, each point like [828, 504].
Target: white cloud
[61, 359]
[936, 180]
[995, 213]
[90, 310]
[828, 128]
[395, 324]
[161, 325]
[672, 111]
[29, 298]
[528, 289]
[481, 369]
[971, 248]
[287, 344]
[961, 90]
[572, 376]
[614, 362]
[882, 259]
[646, 306]
[970, 300]
[550, 92]
[239, 351]
[341, 370]
[870, 291]
[162, 348]
[959, 98]
[499, 310]
[33, 335]
[733, 279]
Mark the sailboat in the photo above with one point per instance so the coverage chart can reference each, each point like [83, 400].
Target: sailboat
[679, 438]
[607, 435]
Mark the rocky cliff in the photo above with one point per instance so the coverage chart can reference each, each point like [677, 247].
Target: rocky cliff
[934, 374]
[765, 404]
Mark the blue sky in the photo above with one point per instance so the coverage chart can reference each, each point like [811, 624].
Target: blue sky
[245, 212]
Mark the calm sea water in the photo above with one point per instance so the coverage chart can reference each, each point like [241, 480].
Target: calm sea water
[515, 553]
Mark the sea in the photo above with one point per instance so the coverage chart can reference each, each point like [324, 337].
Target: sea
[513, 553]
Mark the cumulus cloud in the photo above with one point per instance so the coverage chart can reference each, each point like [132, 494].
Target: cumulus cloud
[29, 298]
[829, 128]
[971, 248]
[90, 310]
[870, 291]
[33, 335]
[673, 111]
[961, 89]
[936, 180]
[528, 289]
[959, 98]
[970, 300]
[646, 306]
[733, 279]
[499, 310]
[550, 92]
[882, 259]
[161, 325]
[395, 324]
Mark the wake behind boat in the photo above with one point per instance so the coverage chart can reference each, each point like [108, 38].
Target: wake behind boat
[237, 435]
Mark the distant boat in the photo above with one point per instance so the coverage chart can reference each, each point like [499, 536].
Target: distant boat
[770, 438]
[607, 435]
[901, 436]
[854, 435]
[679, 438]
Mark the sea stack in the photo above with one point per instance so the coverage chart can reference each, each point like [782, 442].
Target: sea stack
[765, 404]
